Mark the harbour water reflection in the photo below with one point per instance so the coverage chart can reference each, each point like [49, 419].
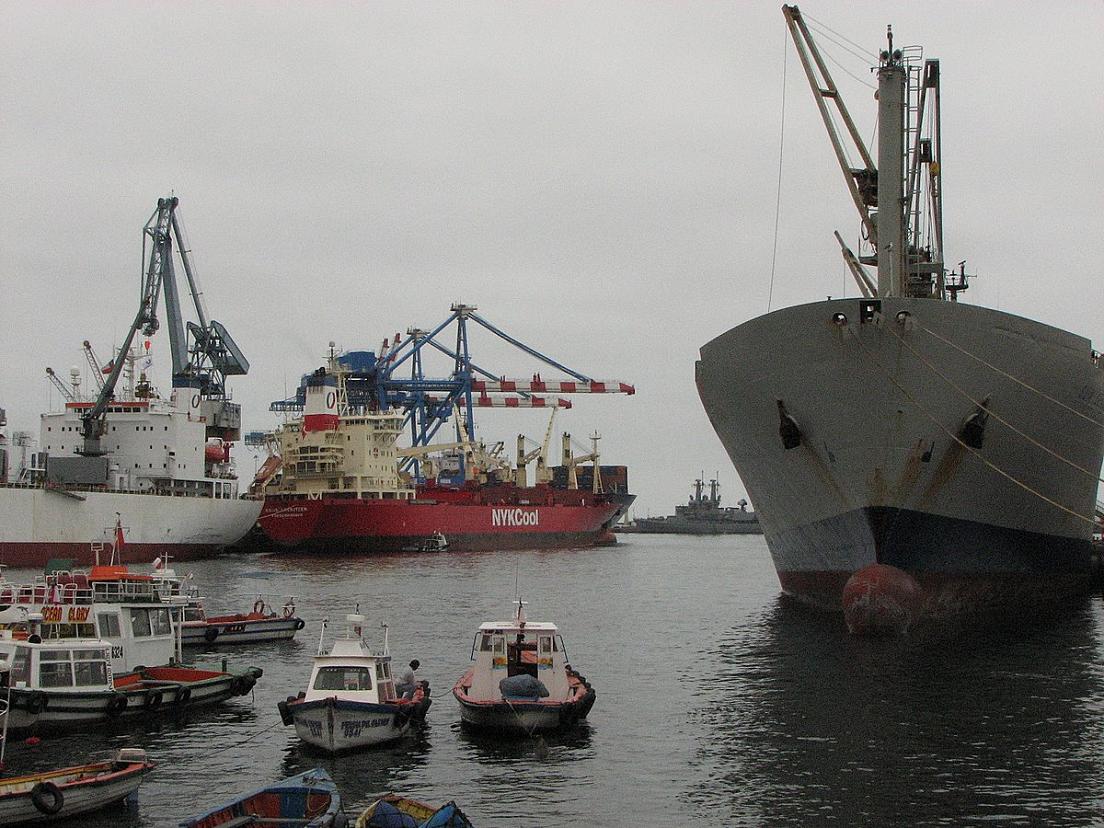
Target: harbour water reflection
[719, 703]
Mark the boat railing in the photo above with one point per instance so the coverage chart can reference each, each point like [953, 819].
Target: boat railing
[75, 588]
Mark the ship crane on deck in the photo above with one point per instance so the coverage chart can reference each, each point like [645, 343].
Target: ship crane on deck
[540, 454]
[573, 461]
[203, 355]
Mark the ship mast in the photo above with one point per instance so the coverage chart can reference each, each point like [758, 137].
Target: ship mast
[900, 200]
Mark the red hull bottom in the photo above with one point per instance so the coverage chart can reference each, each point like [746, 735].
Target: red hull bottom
[38, 554]
[457, 543]
[948, 597]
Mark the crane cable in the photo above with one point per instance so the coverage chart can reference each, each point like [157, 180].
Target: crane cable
[778, 186]
[1094, 475]
[958, 440]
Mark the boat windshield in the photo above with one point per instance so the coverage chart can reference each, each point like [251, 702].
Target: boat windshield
[343, 678]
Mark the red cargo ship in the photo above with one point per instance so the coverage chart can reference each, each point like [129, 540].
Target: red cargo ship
[336, 484]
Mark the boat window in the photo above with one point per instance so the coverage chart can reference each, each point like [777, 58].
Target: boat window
[109, 625]
[140, 623]
[21, 667]
[91, 673]
[544, 644]
[487, 643]
[343, 678]
[159, 620]
[55, 669]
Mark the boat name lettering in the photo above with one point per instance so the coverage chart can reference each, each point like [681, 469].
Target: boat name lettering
[352, 729]
[233, 628]
[315, 728]
[515, 517]
[56, 615]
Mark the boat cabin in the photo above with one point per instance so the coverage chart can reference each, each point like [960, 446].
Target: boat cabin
[74, 665]
[519, 647]
[351, 671]
[108, 602]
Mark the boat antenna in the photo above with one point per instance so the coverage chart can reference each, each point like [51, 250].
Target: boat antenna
[386, 645]
[322, 633]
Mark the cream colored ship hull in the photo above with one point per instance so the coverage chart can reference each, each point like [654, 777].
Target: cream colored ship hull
[37, 524]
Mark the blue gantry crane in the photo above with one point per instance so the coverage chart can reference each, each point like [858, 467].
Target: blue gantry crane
[394, 378]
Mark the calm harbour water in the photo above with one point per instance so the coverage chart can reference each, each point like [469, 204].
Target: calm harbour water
[719, 702]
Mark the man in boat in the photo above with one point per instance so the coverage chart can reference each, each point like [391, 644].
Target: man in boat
[408, 681]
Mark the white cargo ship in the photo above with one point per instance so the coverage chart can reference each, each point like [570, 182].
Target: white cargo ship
[123, 453]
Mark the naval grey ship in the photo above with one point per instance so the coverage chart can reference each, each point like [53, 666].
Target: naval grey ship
[702, 515]
[957, 444]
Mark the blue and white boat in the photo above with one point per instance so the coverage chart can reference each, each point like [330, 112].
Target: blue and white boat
[351, 702]
[309, 800]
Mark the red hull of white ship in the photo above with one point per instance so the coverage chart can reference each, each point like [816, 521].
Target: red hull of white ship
[471, 519]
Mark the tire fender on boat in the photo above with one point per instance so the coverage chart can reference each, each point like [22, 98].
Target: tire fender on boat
[116, 704]
[210, 634]
[300, 623]
[285, 714]
[183, 695]
[401, 718]
[47, 798]
[35, 703]
[154, 699]
[241, 685]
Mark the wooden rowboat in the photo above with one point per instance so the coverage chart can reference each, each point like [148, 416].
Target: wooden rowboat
[309, 800]
[68, 792]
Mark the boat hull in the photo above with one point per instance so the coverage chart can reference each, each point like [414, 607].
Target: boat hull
[879, 396]
[238, 630]
[37, 524]
[158, 691]
[469, 523]
[337, 726]
[310, 800]
[83, 790]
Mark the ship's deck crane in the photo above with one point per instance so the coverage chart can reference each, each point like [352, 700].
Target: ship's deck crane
[394, 377]
[203, 365]
[540, 454]
[94, 364]
[572, 461]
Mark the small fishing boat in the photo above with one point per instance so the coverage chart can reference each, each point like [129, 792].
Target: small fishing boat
[261, 624]
[67, 685]
[309, 800]
[436, 542]
[521, 680]
[200, 629]
[392, 810]
[68, 792]
[351, 702]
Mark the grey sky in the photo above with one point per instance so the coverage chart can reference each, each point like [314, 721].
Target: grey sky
[599, 178]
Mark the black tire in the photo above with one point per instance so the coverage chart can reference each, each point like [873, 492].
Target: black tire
[47, 798]
[35, 703]
[285, 714]
[183, 695]
[154, 699]
[240, 686]
[300, 623]
[116, 705]
[210, 634]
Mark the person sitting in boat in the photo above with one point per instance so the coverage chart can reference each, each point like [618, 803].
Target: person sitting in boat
[408, 682]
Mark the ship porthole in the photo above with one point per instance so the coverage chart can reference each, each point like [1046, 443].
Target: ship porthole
[839, 319]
